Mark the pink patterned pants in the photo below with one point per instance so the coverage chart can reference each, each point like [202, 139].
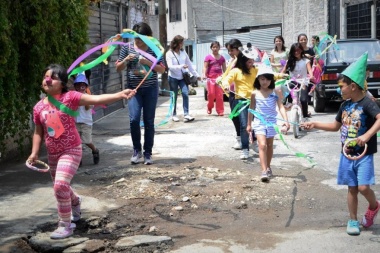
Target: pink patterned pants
[63, 167]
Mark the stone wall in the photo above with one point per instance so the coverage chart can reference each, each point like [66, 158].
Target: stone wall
[304, 16]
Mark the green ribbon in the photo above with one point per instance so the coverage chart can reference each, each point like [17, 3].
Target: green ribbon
[93, 63]
[238, 108]
[63, 108]
[297, 154]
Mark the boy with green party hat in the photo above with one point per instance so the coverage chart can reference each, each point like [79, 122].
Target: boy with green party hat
[357, 118]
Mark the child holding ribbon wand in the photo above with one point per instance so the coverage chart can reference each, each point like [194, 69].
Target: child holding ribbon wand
[263, 100]
[54, 121]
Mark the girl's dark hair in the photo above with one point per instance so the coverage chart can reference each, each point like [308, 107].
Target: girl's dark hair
[283, 43]
[174, 44]
[291, 63]
[60, 72]
[234, 44]
[143, 28]
[215, 43]
[300, 35]
[316, 37]
[241, 63]
[270, 77]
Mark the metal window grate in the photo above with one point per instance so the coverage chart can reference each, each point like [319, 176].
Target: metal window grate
[359, 20]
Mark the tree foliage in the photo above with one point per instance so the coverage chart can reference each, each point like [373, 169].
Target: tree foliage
[33, 34]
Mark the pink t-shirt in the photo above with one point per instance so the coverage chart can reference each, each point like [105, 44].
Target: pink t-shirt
[70, 137]
[214, 66]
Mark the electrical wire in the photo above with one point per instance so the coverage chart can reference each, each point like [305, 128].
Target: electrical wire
[242, 12]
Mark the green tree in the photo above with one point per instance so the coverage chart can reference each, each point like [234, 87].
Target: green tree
[33, 34]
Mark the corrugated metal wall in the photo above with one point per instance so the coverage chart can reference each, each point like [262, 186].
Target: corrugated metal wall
[260, 38]
[104, 23]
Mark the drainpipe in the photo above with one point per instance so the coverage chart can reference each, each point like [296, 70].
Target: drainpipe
[121, 28]
[373, 21]
[343, 19]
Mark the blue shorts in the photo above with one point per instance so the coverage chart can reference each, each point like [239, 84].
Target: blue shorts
[355, 173]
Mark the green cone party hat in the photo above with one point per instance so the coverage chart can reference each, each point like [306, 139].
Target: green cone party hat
[357, 70]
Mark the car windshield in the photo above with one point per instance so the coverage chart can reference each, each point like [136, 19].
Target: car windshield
[351, 50]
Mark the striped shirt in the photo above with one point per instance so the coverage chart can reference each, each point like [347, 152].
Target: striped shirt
[132, 79]
[267, 108]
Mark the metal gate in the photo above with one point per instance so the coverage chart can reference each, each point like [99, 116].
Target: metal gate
[260, 38]
[104, 23]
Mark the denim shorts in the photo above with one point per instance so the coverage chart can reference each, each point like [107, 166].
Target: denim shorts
[355, 173]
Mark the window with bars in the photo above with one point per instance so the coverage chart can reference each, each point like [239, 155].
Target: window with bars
[359, 20]
[174, 10]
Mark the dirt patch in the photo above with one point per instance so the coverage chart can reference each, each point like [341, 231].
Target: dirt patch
[204, 199]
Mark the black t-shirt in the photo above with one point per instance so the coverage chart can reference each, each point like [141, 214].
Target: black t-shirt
[356, 118]
[311, 52]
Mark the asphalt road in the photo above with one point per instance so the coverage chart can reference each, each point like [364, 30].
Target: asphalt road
[26, 196]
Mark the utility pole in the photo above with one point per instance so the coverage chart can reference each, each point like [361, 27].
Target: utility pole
[163, 39]
[222, 24]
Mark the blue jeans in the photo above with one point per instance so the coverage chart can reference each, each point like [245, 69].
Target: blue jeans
[243, 118]
[174, 84]
[145, 99]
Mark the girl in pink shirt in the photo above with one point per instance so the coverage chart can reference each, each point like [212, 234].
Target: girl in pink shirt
[54, 121]
[214, 66]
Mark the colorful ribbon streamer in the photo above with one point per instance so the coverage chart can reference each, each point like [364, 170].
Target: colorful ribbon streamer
[264, 121]
[168, 115]
[109, 47]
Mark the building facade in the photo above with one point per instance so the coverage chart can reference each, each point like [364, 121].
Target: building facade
[344, 18]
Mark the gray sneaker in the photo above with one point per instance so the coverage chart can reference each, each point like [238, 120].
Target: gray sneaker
[269, 172]
[264, 177]
[188, 118]
[148, 159]
[135, 159]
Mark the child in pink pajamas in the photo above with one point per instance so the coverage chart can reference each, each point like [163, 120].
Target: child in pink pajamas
[214, 66]
[54, 121]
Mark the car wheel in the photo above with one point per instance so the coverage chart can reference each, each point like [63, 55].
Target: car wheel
[318, 103]
[205, 94]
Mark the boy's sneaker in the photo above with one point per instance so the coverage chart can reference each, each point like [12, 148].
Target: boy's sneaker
[95, 156]
[188, 118]
[353, 227]
[244, 154]
[370, 216]
[175, 118]
[75, 211]
[135, 159]
[269, 172]
[264, 177]
[64, 230]
[148, 159]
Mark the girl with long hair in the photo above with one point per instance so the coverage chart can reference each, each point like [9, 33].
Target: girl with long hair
[279, 54]
[299, 67]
